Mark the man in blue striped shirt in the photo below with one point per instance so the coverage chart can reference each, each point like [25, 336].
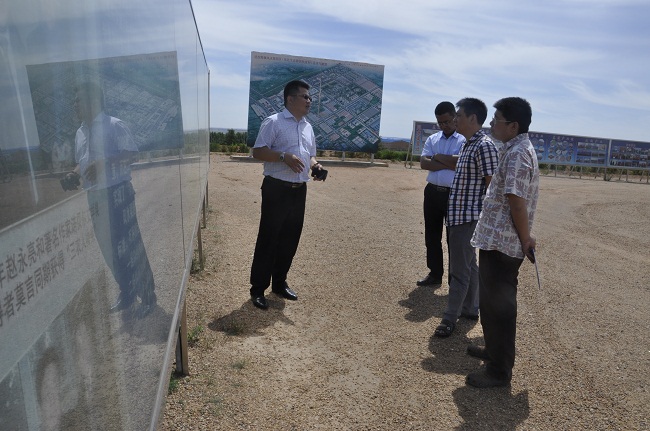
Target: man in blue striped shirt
[476, 163]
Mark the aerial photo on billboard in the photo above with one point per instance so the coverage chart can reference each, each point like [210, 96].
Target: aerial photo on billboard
[346, 98]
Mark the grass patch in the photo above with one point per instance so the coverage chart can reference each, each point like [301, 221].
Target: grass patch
[194, 335]
[196, 264]
[174, 381]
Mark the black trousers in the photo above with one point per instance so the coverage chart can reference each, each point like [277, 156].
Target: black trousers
[435, 212]
[115, 223]
[283, 213]
[498, 274]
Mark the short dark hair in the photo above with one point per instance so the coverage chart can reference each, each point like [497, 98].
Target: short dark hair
[291, 89]
[445, 108]
[473, 106]
[517, 110]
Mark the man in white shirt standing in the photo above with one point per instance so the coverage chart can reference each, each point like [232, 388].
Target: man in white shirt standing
[287, 145]
[436, 193]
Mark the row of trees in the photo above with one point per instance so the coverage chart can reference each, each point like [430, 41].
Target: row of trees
[229, 138]
[235, 142]
[229, 142]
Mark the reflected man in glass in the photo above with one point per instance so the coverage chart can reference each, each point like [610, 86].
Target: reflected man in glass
[104, 152]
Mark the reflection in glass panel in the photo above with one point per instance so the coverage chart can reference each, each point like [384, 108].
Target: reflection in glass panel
[188, 63]
[103, 143]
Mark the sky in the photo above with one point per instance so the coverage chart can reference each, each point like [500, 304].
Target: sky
[582, 64]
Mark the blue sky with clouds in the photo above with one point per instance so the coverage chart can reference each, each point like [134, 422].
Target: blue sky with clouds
[582, 64]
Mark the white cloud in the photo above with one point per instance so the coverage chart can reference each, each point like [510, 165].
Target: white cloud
[229, 80]
[624, 94]
[564, 56]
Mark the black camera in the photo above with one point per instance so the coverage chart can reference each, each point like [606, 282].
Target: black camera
[70, 181]
[318, 173]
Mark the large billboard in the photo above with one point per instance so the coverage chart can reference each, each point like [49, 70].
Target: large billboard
[570, 150]
[346, 98]
[557, 149]
[629, 154]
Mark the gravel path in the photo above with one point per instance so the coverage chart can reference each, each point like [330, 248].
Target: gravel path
[357, 352]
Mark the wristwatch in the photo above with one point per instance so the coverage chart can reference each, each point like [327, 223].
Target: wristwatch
[282, 157]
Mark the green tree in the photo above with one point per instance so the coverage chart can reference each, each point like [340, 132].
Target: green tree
[230, 137]
[240, 137]
[217, 138]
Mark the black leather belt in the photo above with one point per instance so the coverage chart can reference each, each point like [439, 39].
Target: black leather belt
[284, 183]
[440, 188]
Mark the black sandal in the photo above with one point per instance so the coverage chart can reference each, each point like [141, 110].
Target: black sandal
[445, 329]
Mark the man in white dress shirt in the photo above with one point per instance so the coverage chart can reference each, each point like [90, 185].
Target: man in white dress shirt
[287, 146]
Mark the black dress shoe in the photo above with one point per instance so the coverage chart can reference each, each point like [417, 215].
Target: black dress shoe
[285, 292]
[429, 281]
[260, 302]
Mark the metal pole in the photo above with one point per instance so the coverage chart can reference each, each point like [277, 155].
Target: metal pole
[200, 244]
[182, 363]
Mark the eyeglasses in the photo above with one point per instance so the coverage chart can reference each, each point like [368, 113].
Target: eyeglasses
[447, 123]
[496, 120]
[304, 96]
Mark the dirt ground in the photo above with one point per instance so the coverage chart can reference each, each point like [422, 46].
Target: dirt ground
[357, 351]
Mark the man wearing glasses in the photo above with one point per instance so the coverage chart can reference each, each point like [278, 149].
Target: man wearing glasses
[503, 237]
[476, 163]
[436, 193]
[287, 146]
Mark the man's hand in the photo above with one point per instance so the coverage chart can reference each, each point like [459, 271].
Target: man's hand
[318, 173]
[294, 162]
[528, 246]
[519, 213]
[449, 161]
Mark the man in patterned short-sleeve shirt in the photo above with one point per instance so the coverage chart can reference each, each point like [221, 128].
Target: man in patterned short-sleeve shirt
[503, 236]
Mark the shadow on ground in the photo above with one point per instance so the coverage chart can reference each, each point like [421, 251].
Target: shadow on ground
[250, 321]
[481, 409]
[423, 303]
[491, 409]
